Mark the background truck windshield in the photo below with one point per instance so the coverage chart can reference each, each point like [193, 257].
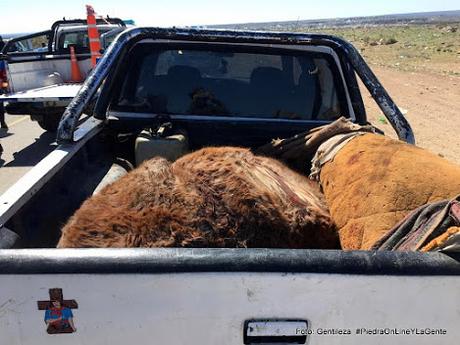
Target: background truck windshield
[240, 84]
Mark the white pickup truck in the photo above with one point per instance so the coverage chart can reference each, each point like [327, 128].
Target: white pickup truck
[272, 85]
[37, 68]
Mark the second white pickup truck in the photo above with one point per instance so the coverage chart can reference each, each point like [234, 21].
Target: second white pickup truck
[36, 68]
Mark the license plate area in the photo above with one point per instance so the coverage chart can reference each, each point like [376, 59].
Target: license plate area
[275, 331]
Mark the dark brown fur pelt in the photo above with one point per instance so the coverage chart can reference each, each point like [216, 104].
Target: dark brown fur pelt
[214, 197]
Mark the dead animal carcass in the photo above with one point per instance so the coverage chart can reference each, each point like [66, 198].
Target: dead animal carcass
[214, 197]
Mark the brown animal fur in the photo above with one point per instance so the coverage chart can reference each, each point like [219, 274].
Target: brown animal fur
[214, 197]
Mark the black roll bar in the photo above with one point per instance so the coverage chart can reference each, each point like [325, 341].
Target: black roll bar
[129, 37]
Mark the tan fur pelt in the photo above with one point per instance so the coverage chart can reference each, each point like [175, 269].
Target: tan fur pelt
[214, 197]
[373, 182]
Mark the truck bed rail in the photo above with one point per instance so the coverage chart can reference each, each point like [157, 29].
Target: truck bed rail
[174, 260]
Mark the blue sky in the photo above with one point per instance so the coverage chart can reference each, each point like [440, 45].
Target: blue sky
[35, 15]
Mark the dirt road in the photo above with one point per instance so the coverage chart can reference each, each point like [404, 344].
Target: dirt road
[432, 103]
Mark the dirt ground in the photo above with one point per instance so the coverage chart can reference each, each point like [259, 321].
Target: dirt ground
[431, 103]
[419, 65]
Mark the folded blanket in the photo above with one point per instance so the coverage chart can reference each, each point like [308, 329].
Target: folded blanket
[429, 227]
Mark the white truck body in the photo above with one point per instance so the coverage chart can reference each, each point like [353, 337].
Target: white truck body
[211, 308]
[54, 93]
[35, 74]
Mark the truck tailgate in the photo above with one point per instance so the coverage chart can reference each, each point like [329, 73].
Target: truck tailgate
[53, 93]
[205, 297]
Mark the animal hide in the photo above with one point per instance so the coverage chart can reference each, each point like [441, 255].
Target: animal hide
[214, 197]
[373, 182]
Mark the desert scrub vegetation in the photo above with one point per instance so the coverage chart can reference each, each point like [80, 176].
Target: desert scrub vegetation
[425, 48]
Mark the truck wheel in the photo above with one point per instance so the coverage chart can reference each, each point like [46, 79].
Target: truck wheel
[50, 122]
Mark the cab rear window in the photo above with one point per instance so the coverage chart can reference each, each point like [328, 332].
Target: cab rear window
[79, 39]
[272, 84]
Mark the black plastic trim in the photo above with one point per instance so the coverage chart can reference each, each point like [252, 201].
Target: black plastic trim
[175, 260]
[41, 57]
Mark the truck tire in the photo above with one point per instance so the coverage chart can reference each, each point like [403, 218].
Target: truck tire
[50, 122]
